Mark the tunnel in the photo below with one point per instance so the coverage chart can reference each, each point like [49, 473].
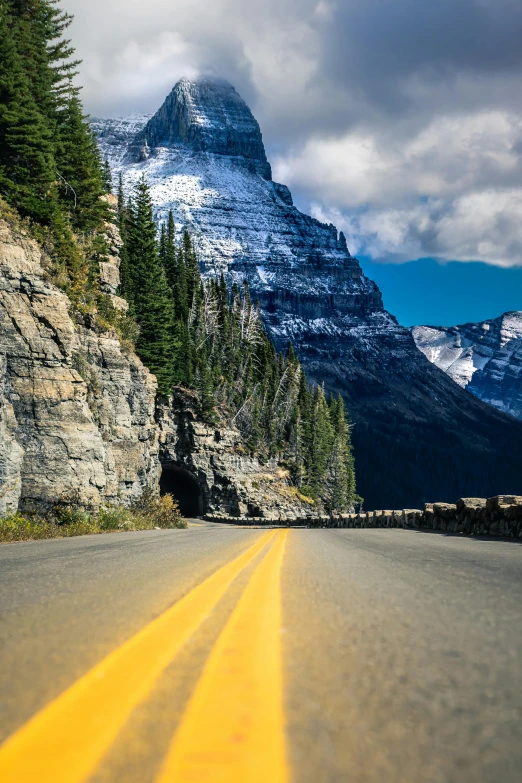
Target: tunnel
[184, 486]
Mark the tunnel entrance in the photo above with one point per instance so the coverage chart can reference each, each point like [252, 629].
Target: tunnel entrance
[185, 488]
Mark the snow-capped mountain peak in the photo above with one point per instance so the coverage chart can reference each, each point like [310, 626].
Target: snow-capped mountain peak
[206, 115]
[203, 157]
[485, 358]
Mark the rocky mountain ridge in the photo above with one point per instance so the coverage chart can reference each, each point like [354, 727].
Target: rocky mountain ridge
[485, 358]
[416, 434]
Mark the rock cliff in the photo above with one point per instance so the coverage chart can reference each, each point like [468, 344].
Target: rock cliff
[485, 358]
[76, 413]
[230, 481]
[417, 435]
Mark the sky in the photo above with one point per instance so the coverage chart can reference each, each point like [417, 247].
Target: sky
[400, 121]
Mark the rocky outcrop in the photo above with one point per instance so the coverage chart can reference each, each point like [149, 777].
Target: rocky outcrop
[231, 481]
[76, 413]
[417, 435]
[11, 453]
[485, 358]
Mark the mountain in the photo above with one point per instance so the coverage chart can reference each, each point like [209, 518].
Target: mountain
[417, 435]
[485, 358]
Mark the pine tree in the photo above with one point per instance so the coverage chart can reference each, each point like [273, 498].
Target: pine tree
[339, 480]
[79, 168]
[125, 224]
[320, 440]
[27, 167]
[191, 267]
[170, 261]
[56, 52]
[150, 296]
[181, 296]
[121, 199]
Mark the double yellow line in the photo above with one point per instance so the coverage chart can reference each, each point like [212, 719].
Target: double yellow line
[232, 730]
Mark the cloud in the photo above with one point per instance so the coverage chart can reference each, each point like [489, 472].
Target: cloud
[452, 191]
[481, 226]
[400, 119]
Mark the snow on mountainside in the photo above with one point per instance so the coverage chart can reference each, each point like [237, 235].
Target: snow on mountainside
[219, 186]
[484, 358]
[417, 435]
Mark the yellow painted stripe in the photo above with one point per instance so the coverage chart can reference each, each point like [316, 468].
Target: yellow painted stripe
[233, 727]
[65, 741]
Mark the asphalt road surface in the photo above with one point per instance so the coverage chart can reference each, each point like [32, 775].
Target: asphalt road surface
[226, 655]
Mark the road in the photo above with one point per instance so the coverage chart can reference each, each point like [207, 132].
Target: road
[230, 655]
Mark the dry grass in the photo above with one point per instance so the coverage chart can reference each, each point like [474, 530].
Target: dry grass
[292, 493]
[263, 477]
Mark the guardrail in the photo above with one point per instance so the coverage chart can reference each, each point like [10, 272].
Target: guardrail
[497, 516]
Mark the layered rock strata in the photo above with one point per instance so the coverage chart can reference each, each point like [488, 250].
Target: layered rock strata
[76, 413]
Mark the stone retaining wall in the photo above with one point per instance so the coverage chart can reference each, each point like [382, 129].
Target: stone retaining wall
[498, 516]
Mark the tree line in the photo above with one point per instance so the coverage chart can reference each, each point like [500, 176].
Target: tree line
[208, 337]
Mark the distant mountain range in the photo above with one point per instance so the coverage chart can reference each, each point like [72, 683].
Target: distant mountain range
[485, 358]
[418, 437]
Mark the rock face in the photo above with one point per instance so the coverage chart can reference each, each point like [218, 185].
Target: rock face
[76, 414]
[229, 481]
[485, 358]
[209, 116]
[417, 435]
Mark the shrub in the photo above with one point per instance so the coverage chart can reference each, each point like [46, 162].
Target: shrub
[16, 527]
[69, 519]
[115, 518]
[308, 492]
[161, 511]
[68, 515]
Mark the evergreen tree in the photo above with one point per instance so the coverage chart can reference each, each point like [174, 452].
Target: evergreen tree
[192, 275]
[121, 198]
[125, 224]
[320, 441]
[48, 155]
[79, 168]
[27, 166]
[170, 260]
[148, 291]
[340, 480]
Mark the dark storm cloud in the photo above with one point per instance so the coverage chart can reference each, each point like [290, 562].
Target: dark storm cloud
[387, 42]
[394, 55]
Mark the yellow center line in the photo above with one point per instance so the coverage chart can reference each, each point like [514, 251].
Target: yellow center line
[65, 741]
[233, 727]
